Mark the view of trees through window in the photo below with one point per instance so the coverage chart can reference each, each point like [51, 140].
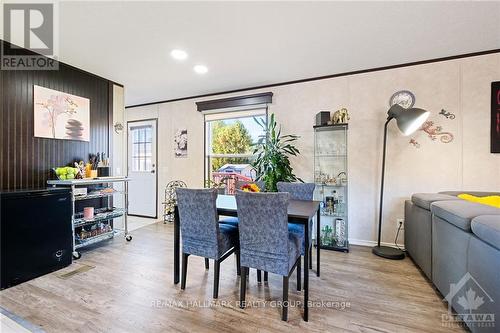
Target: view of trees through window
[229, 149]
[230, 139]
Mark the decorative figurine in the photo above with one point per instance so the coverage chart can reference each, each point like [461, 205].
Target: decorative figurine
[447, 115]
[327, 235]
[340, 232]
[435, 131]
[80, 172]
[342, 176]
[340, 116]
[414, 143]
[330, 206]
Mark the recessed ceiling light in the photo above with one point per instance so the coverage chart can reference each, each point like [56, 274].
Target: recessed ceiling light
[179, 54]
[200, 69]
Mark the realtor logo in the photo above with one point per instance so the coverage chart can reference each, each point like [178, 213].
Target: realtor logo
[30, 30]
[468, 297]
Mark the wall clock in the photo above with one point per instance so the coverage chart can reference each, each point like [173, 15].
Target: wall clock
[405, 98]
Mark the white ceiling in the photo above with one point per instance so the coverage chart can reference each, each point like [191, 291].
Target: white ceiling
[247, 44]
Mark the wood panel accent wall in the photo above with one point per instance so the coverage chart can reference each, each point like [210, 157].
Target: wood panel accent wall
[25, 160]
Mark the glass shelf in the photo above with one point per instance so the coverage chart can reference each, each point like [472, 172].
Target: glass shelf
[344, 248]
[94, 196]
[99, 217]
[334, 215]
[332, 155]
[95, 239]
[331, 185]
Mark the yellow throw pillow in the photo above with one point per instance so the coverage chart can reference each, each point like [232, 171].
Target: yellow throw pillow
[492, 200]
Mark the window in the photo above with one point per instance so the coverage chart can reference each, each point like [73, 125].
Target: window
[229, 146]
[141, 147]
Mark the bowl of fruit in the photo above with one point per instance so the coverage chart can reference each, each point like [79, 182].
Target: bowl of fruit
[66, 173]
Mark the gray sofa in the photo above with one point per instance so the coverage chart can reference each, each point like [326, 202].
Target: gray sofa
[456, 242]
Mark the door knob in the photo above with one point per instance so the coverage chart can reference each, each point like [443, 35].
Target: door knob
[153, 171]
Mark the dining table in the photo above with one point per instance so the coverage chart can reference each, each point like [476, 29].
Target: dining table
[299, 212]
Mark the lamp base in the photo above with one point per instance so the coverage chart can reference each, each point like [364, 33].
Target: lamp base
[388, 252]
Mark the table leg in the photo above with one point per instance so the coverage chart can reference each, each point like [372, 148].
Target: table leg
[177, 235]
[318, 240]
[306, 272]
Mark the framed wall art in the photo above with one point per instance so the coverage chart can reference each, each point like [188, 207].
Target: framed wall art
[58, 115]
[180, 143]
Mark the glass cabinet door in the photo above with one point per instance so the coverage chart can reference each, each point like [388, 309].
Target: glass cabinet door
[331, 178]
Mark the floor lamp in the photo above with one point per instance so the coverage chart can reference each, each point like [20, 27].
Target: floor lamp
[408, 121]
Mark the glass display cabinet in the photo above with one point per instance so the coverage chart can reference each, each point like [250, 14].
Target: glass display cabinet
[331, 178]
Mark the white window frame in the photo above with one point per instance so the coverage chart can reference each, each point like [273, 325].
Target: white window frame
[225, 114]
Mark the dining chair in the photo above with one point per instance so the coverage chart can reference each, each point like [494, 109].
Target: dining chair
[202, 235]
[265, 242]
[232, 220]
[300, 191]
[238, 184]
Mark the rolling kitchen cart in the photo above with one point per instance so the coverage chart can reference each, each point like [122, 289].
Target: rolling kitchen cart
[88, 231]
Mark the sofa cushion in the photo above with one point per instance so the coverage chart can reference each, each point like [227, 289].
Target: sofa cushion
[487, 228]
[460, 212]
[424, 200]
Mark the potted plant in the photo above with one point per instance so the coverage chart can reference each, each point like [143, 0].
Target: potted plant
[272, 150]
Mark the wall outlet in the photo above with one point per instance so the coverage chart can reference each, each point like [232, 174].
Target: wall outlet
[400, 222]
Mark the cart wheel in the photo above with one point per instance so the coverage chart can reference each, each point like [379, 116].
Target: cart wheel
[77, 255]
[128, 238]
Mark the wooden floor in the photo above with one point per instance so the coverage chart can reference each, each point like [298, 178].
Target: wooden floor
[129, 288]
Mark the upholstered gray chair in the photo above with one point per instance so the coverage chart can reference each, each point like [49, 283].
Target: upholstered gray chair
[238, 184]
[300, 191]
[265, 242]
[202, 235]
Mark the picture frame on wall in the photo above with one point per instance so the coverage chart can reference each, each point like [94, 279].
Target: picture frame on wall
[495, 117]
[58, 115]
[180, 143]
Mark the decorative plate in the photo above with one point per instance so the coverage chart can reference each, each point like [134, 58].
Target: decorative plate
[405, 98]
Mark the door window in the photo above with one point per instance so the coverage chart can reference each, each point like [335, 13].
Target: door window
[141, 148]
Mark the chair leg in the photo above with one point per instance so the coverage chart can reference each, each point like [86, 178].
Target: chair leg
[259, 276]
[299, 280]
[216, 278]
[265, 276]
[243, 286]
[184, 270]
[284, 314]
[207, 265]
[310, 257]
[238, 268]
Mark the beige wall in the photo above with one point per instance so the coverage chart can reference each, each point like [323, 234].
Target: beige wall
[459, 86]
[119, 139]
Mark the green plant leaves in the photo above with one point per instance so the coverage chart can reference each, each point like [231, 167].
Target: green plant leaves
[272, 150]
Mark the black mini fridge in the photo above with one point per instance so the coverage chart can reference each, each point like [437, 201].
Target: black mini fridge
[35, 233]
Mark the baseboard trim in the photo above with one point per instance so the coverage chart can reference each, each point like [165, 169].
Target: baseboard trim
[361, 242]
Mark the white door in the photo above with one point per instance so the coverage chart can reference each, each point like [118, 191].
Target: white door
[142, 166]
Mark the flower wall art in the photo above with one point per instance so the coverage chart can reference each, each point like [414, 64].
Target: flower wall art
[58, 115]
[180, 143]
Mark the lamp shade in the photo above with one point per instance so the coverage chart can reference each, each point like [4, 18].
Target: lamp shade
[408, 120]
